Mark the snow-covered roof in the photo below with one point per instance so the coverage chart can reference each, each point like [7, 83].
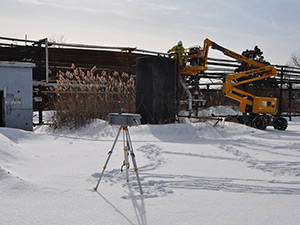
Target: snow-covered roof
[17, 64]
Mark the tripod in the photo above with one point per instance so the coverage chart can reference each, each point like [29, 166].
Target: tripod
[127, 148]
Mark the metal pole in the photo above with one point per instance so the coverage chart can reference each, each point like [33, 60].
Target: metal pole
[281, 94]
[290, 101]
[190, 104]
[177, 76]
[47, 60]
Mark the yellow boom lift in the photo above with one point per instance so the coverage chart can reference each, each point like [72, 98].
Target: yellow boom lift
[258, 112]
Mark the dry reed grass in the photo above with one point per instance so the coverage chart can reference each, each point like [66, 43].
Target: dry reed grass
[80, 97]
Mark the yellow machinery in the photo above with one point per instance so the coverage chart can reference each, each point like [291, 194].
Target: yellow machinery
[258, 111]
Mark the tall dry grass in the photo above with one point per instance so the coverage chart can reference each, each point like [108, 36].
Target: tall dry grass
[80, 97]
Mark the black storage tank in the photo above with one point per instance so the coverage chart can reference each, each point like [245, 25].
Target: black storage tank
[155, 89]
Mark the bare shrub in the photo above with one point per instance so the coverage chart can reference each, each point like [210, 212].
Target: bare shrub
[295, 59]
[80, 97]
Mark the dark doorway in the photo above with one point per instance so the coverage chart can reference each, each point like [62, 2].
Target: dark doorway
[2, 124]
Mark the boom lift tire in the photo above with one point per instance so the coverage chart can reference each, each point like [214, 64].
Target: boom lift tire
[280, 123]
[259, 122]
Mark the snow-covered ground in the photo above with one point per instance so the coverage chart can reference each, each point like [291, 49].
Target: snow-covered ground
[191, 174]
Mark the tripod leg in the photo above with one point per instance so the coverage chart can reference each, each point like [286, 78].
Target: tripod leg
[133, 159]
[126, 162]
[109, 155]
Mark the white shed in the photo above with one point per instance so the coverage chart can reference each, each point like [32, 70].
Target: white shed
[16, 95]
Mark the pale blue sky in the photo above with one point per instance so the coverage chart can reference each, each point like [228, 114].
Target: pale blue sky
[273, 25]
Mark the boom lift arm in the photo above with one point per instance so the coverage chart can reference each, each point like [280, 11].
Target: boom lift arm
[249, 103]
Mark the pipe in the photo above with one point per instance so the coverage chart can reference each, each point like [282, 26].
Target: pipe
[47, 60]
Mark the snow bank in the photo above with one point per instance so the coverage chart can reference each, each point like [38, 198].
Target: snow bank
[194, 173]
[219, 111]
